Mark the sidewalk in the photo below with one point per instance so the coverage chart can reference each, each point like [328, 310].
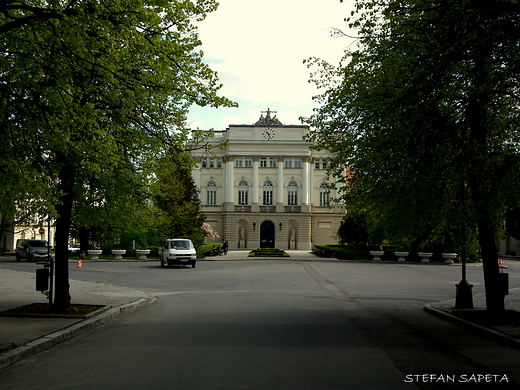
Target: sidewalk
[504, 330]
[21, 337]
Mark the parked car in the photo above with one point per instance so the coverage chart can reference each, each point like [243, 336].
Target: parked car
[178, 251]
[32, 250]
[74, 249]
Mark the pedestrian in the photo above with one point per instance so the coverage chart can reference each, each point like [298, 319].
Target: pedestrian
[225, 247]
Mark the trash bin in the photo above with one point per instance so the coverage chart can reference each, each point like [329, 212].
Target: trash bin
[503, 283]
[42, 279]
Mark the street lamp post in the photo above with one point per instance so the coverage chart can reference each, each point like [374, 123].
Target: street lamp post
[464, 297]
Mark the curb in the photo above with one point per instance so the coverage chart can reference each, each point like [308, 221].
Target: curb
[482, 330]
[48, 341]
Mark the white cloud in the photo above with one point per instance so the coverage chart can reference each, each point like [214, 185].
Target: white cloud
[258, 48]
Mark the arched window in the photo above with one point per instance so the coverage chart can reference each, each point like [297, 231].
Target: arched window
[324, 195]
[292, 193]
[243, 190]
[211, 193]
[268, 193]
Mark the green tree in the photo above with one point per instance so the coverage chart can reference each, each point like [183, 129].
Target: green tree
[425, 111]
[177, 199]
[353, 229]
[90, 92]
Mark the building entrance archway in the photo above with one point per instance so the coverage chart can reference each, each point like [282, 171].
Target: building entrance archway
[267, 232]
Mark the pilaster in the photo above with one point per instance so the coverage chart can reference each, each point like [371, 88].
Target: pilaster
[229, 179]
[279, 194]
[255, 206]
[306, 180]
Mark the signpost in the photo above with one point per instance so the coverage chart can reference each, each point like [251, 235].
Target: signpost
[43, 275]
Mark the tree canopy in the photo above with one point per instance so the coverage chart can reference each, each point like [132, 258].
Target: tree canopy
[90, 92]
[176, 199]
[424, 109]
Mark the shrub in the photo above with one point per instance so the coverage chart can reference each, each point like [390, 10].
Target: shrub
[204, 248]
[345, 252]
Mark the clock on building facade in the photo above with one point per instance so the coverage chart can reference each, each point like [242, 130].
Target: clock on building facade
[268, 134]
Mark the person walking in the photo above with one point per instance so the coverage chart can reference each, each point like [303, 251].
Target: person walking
[225, 247]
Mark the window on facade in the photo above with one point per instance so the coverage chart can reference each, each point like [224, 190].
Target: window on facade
[268, 193]
[324, 195]
[317, 164]
[211, 199]
[238, 162]
[324, 164]
[219, 163]
[297, 162]
[288, 163]
[292, 194]
[272, 162]
[248, 162]
[263, 162]
[204, 163]
[243, 189]
[212, 163]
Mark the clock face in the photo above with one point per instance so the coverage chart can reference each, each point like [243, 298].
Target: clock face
[268, 134]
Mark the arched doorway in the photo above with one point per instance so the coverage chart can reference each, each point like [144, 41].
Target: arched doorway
[267, 234]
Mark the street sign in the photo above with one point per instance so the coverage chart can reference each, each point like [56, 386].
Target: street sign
[41, 231]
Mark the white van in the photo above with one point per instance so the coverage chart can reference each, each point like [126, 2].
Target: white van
[178, 251]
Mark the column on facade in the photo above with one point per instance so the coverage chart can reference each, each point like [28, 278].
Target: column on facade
[255, 206]
[279, 195]
[229, 180]
[195, 173]
[306, 183]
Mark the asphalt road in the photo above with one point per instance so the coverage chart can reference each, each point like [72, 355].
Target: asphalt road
[272, 325]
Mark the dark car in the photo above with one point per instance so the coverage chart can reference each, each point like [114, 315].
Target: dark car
[32, 250]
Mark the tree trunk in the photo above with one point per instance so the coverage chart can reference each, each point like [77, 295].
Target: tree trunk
[62, 296]
[482, 173]
[5, 224]
[84, 233]
[494, 295]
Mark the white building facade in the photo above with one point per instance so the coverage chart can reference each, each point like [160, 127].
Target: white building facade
[39, 230]
[266, 188]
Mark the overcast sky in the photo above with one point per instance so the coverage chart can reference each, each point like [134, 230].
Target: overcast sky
[258, 48]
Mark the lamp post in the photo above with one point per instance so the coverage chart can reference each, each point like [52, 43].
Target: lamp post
[45, 276]
[51, 261]
[464, 297]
